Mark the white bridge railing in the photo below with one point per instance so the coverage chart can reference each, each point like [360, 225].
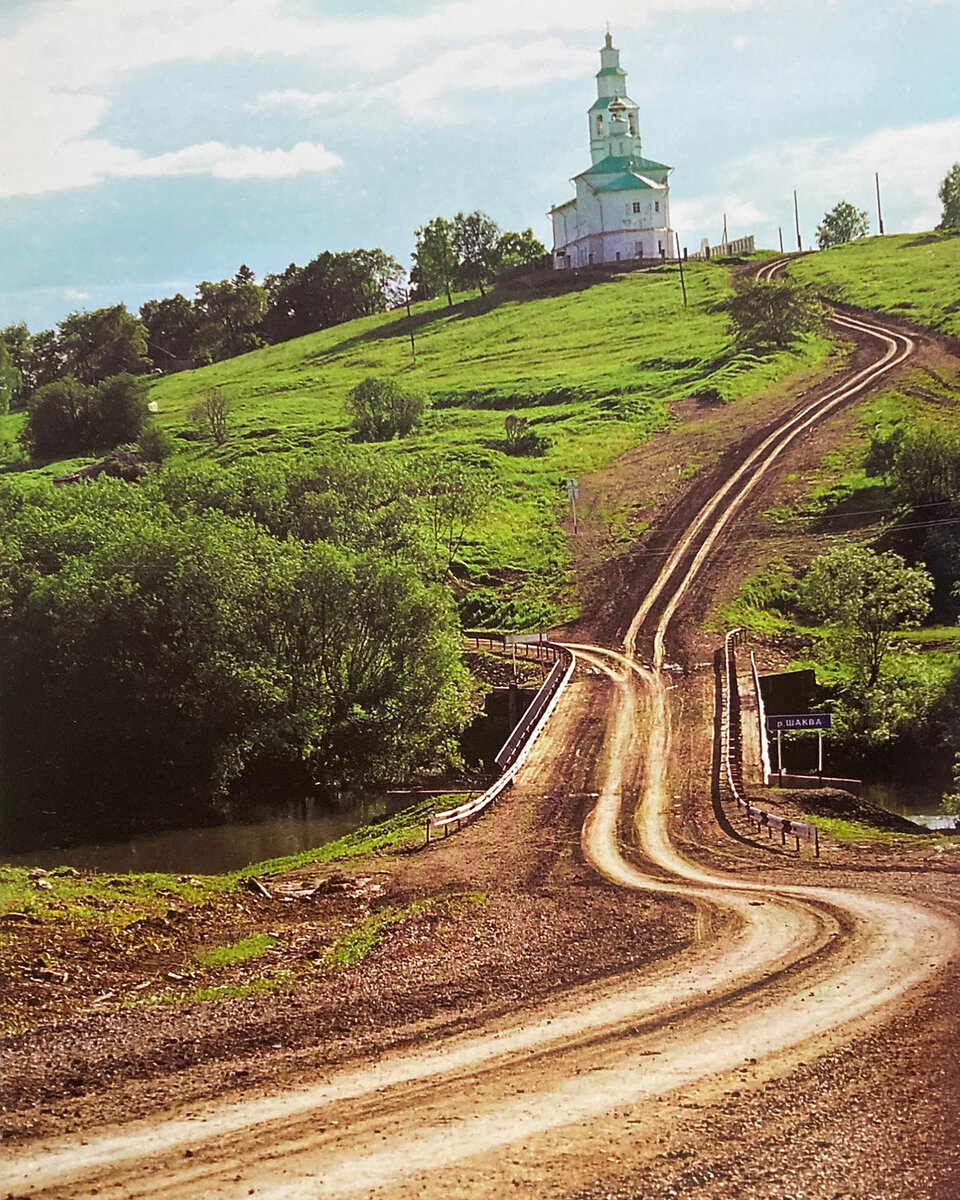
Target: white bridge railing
[517, 746]
[761, 818]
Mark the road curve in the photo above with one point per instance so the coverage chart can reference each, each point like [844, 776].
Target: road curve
[790, 966]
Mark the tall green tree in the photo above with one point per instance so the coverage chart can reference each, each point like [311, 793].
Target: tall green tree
[476, 238]
[519, 249]
[46, 361]
[378, 277]
[865, 597]
[107, 341]
[10, 378]
[171, 325]
[436, 257]
[330, 289]
[949, 194]
[229, 315]
[19, 345]
[843, 223]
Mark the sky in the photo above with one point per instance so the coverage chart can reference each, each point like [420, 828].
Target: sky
[146, 145]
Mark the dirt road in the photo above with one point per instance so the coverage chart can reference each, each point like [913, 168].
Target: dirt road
[781, 972]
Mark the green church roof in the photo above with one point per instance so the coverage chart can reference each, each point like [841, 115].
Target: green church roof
[613, 165]
[627, 182]
[605, 101]
[610, 71]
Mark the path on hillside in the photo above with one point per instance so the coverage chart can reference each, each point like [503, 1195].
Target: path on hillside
[776, 970]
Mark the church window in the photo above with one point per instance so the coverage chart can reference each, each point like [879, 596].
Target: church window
[639, 249]
[636, 206]
[599, 125]
[656, 206]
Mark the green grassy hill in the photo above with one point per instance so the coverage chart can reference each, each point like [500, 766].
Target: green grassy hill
[594, 368]
[911, 275]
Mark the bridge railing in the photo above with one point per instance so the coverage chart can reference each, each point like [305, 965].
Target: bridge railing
[800, 831]
[517, 746]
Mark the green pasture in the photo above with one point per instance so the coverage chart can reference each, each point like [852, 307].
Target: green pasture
[912, 275]
[594, 368]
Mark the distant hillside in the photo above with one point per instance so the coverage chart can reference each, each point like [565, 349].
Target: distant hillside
[593, 369]
[912, 275]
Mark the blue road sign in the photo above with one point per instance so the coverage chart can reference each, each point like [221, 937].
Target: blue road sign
[796, 721]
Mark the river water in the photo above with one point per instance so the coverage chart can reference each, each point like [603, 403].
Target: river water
[208, 850]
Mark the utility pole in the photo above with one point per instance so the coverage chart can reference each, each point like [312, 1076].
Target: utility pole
[876, 176]
[796, 214]
[683, 285]
[780, 231]
[725, 238]
[413, 344]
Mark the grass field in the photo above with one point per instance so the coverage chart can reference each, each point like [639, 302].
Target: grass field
[593, 369]
[916, 276]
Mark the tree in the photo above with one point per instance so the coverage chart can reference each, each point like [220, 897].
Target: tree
[229, 315]
[950, 199]
[10, 378]
[68, 417]
[45, 362]
[211, 414]
[108, 341]
[843, 223]
[452, 492]
[522, 440]
[865, 597]
[56, 415]
[378, 276]
[116, 412]
[330, 289]
[171, 326]
[519, 249]
[380, 409]
[476, 239]
[19, 344]
[436, 257]
[772, 315]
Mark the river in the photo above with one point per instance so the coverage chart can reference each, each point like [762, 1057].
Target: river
[210, 849]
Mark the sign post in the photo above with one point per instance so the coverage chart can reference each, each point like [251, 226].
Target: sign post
[573, 494]
[797, 723]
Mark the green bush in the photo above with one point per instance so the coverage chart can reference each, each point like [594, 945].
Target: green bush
[156, 445]
[68, 417]
[380, 409]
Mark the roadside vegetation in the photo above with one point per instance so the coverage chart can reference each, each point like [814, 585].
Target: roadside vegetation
[866, 589]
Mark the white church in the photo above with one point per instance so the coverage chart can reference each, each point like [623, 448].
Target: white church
[622, 207]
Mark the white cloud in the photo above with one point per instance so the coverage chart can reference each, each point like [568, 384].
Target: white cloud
[911, 160]
[305, 102]
[84, 161]
[423, 92]
[234, 162]
[704, 217]
[57, 69]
